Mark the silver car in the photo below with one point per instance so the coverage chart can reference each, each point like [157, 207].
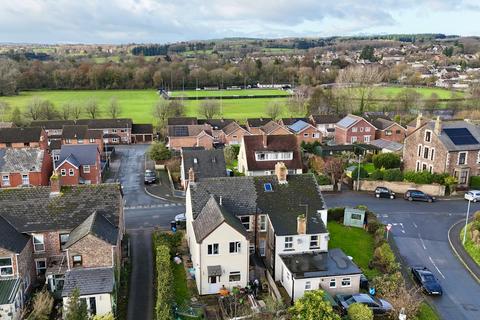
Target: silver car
[472, 195]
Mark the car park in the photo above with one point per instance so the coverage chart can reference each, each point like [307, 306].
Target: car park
[427, 281]
[417, 195]
[382, 192]
[150, 177]
[378, 306]
[472, 195]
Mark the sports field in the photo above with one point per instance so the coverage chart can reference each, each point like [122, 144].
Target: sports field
[220, 93]
[392, 92]
[138, 104]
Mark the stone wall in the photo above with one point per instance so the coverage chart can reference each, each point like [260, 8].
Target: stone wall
[401, 187]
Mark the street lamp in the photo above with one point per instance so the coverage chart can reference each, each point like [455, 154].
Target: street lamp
[466, 222]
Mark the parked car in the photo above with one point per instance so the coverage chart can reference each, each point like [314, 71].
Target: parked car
[150, 177]
[378, 306]
[382, 192]
[180, 217]
[473, 195]
[417, 195]
[427, 281]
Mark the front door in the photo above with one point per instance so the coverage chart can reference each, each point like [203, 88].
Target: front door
[214, 284]
[92, 305]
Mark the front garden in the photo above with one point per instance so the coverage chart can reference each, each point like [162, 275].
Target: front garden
[472, 243]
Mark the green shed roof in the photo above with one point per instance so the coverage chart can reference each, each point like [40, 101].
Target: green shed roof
[8, 290]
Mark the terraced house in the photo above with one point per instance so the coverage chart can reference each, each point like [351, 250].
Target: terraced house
[67, 238]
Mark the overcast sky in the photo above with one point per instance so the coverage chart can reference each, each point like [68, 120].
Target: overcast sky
[160, 21]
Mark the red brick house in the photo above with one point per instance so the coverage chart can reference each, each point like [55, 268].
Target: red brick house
[34, 137]
[254, 125]
[272, 128]
[352, 129]
[233, 133]
[389, 130]
[81, 134]
[304, 131]
[24, 167]
[79, 164]
[325, 123]
[438, 146]
[184, 136]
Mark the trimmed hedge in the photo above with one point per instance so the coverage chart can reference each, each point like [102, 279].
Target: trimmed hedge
[163, 309]
[393, 175]
[475, 182]
[336, 214]
[386, 161]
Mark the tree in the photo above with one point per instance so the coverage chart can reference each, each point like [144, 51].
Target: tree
[8, 77]
[76, 111]
[297, 105]
[321, 101]
[42, 306]
[386, 160]
[231, 153]
[408, 99]
[92, 109]
[4, 108]
[108, 316]
[66, 110]
[34, 108]
[209, 108]
[432, 102]
[359, 311]
[176, 108]
[333, 167]
[114, 109]
[313, 306]
[48, 111]
[161, 113]
[76, 308]
[368, 54]
[16, 117]
[159, 152]
[273, 109]
[359, 82]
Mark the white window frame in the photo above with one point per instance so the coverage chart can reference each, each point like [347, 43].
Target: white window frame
[7, 266]
[262, 222]
[92, 140]
[305, 135]
[251, 248]
[348, 282]
[40, 238]
[417, 166]
[71, 172]
[60, 239]
[367, 129]
[430, 168]
[211, 249]
[317, 241]
[430, 136]
[115, 140]
[235, 274]
[361, 129]
[388, 132]
[236, 247]
[6, 182]
[432, 154]
[478, 157]
[366, 139]
[75, 260]
[332, 281]
[466, 158]
[63, 172]
[27, 180]
[419, 150]
[86, 168]
[354, 129]
[244, 223]
[353, 139]
[288, 243]
[37, 269]
[262, 245]
[114, 130]
[426, 152]
[308, 285]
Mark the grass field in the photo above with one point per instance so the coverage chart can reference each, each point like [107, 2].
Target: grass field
[138, 104]
[219, 93]
[472, 249]
[392, 92]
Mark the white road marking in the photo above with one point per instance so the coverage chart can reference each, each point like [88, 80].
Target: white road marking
[415, 225]
[401, 225]
[423, 243]
[436, 267]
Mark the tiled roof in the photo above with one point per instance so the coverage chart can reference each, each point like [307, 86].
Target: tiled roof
[382, 123]
[457, 124]
[106, 123]
[258, 122]
[145, 128]
[182, 121]
[21, 160]
[270, 126]
[89, 281]
[19, 135]
[326, 118]
[82, 154]
[386, 144]
[96, 224]
[11, 239]
[35, 210]
[211, 217]
[186, 131]
[276, 143]
[290, 121]
[217, 124]
[205, 163]
[231, 128]
[51, 124]
[75, 132]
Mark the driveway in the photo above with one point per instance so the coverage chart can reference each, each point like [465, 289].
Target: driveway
[143, 213]
[420, 231]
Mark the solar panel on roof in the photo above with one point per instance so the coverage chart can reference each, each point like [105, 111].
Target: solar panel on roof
[298, 126]
[181, 131]
[346, 122]
[460, 136]
[268, 187]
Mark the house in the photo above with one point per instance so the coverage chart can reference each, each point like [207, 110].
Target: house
[284, 217]
[259, 153]
[52, 127]
[254, 125]
[34, 137]
[198, 163]
[438, 146]
[142, 133]
[325, 123]
[233, 133]
[182, 121]
[353, 129]
[81, 134]
[24, 167]
[184, 136]
[389, 130]
[273, 128]
[47, 234]
[79, 164]
[305, 132]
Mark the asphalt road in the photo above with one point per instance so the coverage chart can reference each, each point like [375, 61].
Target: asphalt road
[143, 213]
[420, 231]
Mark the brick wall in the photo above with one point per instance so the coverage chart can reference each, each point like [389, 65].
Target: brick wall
[362, 127]
[94, 252]
[310, 131]
[397, 133]
[235, 137]
[68, 180]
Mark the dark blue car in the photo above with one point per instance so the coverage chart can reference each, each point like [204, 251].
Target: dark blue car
[427, 281]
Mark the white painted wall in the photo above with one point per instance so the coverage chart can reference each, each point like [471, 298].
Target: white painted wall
[103, 303]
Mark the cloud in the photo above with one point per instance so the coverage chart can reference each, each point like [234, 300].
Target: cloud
[121, 21]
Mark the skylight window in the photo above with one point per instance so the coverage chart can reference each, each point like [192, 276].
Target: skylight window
[268, 187]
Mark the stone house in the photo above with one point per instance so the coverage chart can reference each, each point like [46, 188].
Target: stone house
[354, 129]
[24, 167]
[438, 146]
[79, 164]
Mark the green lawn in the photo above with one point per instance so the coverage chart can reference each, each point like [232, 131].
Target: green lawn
[138, 104]
[220, 93]
[180, 288]
[355, 242]
[472, 249]
[392, 92]
[426, 313]
[369, 167]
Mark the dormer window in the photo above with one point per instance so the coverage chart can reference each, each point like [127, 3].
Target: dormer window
[428, 136]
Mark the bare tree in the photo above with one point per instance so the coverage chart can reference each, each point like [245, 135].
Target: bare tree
[209, 108]
[161, 112]
[92, 108]
[297, 105]
[8, 77]
[359, 83]
[34, 108]
[273, 109]
[114, 109]
[408, 98]
[333, 167]
[76, 110]
[66, 110]
[48, 110]
[176, 108]
[4, 108]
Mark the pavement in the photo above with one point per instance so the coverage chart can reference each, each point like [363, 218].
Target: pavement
[460, 252]
[143, 214]
[420, 231]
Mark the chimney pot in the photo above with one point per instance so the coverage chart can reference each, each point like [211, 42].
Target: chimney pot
[301, 224]
[419, 121]
[54, 184]
[438, 126]
[265, 140]
[281, 172]
[191, 175]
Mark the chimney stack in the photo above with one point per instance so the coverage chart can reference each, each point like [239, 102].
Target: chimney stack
[264, 139]
[438, 126]
[419, 121]
[191, 175]
[54, 184]
[220, 201]
[301, 224]
[281, 172]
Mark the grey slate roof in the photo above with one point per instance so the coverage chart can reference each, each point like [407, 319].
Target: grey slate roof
[142, 128]
[78, 154]
[247, 196]
[211, 217]
[11, 239]
[257, 122]
[21, 160]
[55, 144]
[34, 210]
[75, 132]
[449, 145]
[325, 118]
[322, 264]
[208, 163]
[96, 224]
[8, 290]
[89, 281]
[386, 144]
[20, 135]
[382, 123]
[51, 124]
[106, 123]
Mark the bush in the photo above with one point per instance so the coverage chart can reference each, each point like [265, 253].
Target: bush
[386, 161]
[393, 175]
[363, 173]
[359, 311]
[309, 147]
[159, 152]
[475, 182]
[423, 177]
[231, 153]
[384, 259]
[323, 180]
[376, 175]
[379, 237]
[335, 214]
[42, 306]
[164, 297]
